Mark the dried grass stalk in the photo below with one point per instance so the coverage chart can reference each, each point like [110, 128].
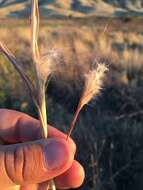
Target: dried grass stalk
[40, 82]
[23, 75]
[42, 72]
[93, 84]
[35, 30]
[13, 60]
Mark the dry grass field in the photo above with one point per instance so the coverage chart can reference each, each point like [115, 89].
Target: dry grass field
[109, 130]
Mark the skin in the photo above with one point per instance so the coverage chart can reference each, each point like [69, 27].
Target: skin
[27, 162]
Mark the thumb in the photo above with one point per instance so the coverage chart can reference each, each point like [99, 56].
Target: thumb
[34, 162]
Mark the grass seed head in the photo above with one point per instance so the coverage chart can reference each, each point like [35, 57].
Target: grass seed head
[49, 63]
[93, 83]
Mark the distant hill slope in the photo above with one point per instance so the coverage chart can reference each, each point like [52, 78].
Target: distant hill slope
[73, 8]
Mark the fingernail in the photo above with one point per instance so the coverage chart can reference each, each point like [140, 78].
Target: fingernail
[55, 155]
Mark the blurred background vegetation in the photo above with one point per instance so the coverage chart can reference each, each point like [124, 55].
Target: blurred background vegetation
[109, 129]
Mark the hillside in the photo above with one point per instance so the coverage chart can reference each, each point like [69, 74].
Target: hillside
[73, 8]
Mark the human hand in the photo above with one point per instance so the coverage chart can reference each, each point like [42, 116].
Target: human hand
[27, 161]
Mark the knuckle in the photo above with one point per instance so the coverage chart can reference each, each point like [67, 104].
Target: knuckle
[8, 166]
[14, 165]
[19, 164]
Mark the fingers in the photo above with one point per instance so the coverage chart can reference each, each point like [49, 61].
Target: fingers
[34, 162]
[18, 127]
[72, 178]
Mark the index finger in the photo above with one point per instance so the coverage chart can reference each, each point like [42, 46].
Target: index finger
[19, 127]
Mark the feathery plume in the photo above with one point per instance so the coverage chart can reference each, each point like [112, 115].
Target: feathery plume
[49, 63]
[93, 84]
